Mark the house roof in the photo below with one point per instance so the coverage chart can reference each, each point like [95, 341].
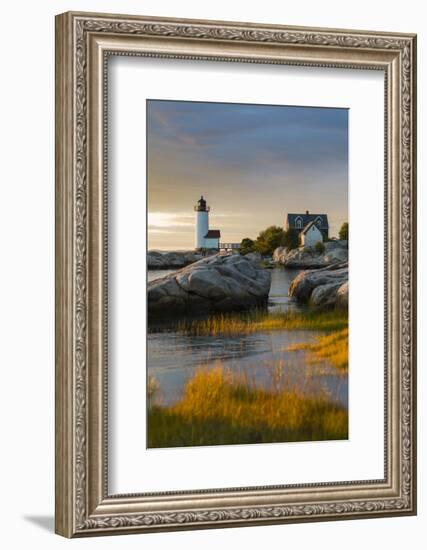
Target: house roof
[213, 234]
[307, 218]
[308, 226]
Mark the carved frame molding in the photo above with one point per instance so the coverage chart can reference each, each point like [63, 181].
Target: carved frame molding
[83, 43]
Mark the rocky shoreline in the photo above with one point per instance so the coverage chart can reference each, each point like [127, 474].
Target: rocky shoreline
[157, 259]
[309, 258]
[324, 288]
[219, 283]
[231, 282]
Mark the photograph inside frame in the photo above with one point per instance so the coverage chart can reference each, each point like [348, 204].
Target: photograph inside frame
[247, 273]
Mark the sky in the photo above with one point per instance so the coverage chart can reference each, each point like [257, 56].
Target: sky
[252, 163]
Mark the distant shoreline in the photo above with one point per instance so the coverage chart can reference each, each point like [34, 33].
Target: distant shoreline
[173, 259]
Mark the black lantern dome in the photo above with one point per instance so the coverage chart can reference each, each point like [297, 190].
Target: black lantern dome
[201, 205]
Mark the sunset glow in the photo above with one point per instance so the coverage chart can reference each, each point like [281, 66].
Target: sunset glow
[254, 163]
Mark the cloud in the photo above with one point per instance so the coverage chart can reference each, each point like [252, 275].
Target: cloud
[253, 163]
[166, 219]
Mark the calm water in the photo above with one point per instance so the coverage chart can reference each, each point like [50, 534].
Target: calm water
[173, 358]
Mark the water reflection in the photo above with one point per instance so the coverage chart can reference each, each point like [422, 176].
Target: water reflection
[278, 299]
[173, 358]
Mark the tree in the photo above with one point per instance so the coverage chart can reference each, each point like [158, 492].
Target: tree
[268, 240]
[247, 245]
[290, 239]
[343, 233]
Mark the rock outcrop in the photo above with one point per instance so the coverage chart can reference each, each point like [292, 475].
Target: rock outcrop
[323, 288]
[308, 257]
[342, 296]
[220, 283]
[171, 260]
[254, 256]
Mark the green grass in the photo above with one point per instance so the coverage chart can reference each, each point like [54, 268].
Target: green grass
[261, 320]
[222, 408]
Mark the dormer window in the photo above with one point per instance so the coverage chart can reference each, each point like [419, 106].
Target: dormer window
[298, 222]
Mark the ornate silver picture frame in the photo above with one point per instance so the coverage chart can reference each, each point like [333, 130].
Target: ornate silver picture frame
[84, 42]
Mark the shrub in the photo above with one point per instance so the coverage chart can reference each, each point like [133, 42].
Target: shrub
[343, 233]
[319, 247]
[247, 245]
[290, 239]
[268, 240]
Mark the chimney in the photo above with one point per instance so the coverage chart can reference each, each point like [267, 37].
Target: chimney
[307, 212]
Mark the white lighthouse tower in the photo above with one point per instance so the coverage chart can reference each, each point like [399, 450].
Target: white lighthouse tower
[202, 222]
[205, 238]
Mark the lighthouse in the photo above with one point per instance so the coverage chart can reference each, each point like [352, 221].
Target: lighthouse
[205, 237]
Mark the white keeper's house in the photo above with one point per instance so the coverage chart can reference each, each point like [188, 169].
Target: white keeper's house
[311, 228]
[310, 235]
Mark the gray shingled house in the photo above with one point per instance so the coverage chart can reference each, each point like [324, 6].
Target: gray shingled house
[297, 222]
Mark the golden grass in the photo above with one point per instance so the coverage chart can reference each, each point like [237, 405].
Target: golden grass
[330, 347]
[261, 320]
[219, 408]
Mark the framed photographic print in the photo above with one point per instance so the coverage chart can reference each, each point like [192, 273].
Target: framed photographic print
[235, 274]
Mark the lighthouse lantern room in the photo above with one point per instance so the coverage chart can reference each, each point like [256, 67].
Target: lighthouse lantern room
[205, 238]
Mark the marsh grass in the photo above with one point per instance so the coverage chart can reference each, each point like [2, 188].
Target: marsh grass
[219, 407]
[262, 320]
[222, 407]
[331, 347]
